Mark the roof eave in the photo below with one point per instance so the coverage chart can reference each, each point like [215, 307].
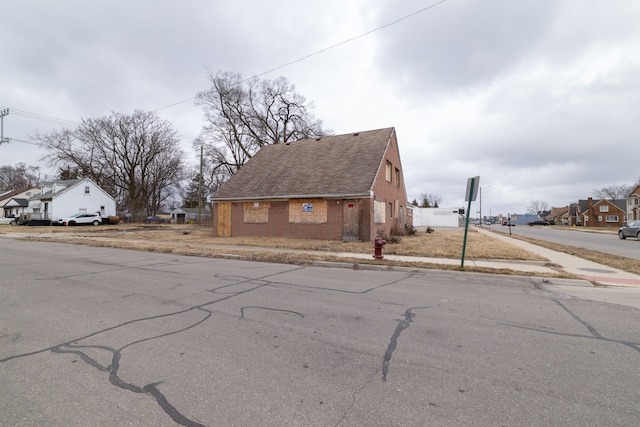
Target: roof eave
[368, 194]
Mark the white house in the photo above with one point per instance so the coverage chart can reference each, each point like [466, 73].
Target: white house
[63, 198]
[436, 217]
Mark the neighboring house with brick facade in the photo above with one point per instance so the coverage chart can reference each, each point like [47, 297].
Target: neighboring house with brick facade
[340, 187]
[602, 213]
[633, 204]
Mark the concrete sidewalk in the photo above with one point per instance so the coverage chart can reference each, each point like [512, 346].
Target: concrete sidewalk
[588, 270]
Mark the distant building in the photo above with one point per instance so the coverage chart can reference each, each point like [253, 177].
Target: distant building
[436, 217]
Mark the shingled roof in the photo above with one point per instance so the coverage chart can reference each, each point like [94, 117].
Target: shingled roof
[331, 166]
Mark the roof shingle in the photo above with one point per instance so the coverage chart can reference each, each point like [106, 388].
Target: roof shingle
[338, 165]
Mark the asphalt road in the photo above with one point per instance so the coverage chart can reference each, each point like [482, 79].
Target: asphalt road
[104, 337]
[608, 243]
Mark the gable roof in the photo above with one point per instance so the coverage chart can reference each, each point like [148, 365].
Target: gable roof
[12, 193]
[67, 186]
[331, 166]
[583, 205]
[617, 203]
[558, 212]
[16, 202]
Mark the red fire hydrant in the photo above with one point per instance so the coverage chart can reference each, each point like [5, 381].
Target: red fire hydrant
[378, 243]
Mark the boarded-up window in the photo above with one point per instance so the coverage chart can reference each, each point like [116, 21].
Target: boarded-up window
[224, 219]
[388, 171]
[379, 212]
[308, 211]
[256, 212]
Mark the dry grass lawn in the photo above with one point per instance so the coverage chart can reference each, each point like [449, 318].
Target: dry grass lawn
[440, 244]
[195, 240]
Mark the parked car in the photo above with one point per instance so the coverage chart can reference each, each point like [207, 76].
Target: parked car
[81, 219]
[508, 223]
[538, 222]
[154, 220]
[630, 230]
[5, 221]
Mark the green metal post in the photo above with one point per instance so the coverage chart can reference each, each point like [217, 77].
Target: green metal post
[466, 225]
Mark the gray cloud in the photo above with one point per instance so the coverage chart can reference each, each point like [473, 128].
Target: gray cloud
[538, 98]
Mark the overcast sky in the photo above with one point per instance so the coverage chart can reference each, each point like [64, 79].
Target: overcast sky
[541, 99]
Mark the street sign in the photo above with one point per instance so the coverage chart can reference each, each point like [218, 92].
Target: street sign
[472, 189]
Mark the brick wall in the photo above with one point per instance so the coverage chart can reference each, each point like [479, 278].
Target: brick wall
[593, 213]
[389, 192]
[279, 225]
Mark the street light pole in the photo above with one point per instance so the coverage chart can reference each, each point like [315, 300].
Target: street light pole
[486, 186]
[481, 221]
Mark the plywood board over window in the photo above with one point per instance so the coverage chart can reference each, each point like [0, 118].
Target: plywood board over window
[379, 211]
[309, 211]
[224, 219]
[256, 212]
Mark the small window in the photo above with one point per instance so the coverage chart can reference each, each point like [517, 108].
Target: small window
[86, 189]
[612, 218]
[390, 210]
[397, 177]
[388, 171]
[599, 218]
[604, 208]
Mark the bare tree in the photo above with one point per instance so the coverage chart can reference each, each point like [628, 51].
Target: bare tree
[136, 158]
[430, 200]
[537, 207]
[244, 115]
[613, 192]
[19, 176]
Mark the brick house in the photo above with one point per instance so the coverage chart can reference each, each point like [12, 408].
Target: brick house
[633, 204]
[602, 213]
[340, 187]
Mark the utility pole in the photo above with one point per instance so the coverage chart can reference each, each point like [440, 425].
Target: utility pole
[481, 219]
[200, 191]
[3, 113]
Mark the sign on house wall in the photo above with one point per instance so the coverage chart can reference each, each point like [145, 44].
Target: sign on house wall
[312, 211]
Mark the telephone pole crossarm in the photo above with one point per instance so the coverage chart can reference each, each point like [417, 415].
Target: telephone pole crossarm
[3, 113]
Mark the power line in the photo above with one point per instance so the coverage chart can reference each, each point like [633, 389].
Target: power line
[63, 122]
[322, 50]
[41, 117]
